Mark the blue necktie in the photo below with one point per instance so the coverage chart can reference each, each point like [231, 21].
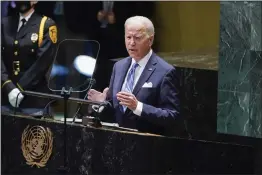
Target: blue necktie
[130, 80]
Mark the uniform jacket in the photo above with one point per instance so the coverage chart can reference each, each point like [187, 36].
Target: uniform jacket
[26, 57]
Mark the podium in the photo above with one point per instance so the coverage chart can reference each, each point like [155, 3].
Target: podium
[110, 151]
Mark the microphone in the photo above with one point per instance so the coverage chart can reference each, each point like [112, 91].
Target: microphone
[96, 119]
[103, 104]
[108, 102]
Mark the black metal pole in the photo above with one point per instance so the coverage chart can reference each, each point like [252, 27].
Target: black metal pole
[58, 97]
[66, 94]
[65, 133]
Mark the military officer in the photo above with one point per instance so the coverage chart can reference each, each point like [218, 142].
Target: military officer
[28, 49]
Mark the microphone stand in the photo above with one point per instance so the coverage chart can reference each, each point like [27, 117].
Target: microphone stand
[91, 82]
[96, 120]
[65, 95]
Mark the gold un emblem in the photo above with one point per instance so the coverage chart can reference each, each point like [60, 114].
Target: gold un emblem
[37, 144]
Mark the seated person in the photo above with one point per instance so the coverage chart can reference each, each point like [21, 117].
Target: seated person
[143, 89]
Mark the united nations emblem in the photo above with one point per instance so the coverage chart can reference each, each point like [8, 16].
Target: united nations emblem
[37, 145]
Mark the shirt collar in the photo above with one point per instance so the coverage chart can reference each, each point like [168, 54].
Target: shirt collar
[27, 17]
[144, 60]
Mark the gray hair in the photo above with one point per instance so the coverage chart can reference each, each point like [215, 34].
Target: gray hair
[150, 30]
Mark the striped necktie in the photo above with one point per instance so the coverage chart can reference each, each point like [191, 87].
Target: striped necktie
[130, 80]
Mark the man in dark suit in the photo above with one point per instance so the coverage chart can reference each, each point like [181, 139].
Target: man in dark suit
[28, 48]
[143, 89]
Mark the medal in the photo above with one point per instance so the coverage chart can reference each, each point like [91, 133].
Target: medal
[34, 37]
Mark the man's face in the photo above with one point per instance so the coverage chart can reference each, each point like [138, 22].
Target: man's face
[137, 42]
[25, 6]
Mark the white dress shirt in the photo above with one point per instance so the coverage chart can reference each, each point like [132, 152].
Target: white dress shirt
[26, 18]
[142, 64]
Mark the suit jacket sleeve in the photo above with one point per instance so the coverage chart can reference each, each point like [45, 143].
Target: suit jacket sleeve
[168, 109]
[44, 58]
[6, 84]
[110, 91]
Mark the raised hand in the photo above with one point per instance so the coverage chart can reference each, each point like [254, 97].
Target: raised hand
[97, 96]
[127, 99]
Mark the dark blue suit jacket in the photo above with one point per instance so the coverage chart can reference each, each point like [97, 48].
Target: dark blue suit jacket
[161, 104]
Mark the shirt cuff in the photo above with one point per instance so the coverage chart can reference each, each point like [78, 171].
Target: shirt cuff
[138, 109]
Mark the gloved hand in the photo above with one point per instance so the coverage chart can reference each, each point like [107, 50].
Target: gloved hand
[12, 96]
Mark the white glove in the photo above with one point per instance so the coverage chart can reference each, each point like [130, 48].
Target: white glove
[12, 96]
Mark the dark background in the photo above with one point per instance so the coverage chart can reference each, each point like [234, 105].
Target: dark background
[79, 18]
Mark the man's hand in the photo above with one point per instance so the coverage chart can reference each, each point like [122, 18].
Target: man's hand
[12, 96]
[127, 99]
[101, 15]
[111, 18]
[97, 96]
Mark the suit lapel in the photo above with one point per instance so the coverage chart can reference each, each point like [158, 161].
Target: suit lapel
[14, 25]
[31, 22]
[122, 73]
[147, 72]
